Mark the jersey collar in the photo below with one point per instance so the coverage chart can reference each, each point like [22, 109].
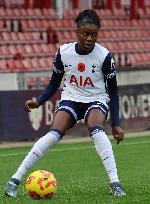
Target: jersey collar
[78, 51]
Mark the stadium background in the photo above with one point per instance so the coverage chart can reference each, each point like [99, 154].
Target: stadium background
[30, 33]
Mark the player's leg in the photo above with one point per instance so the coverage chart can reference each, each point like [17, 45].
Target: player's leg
[45, 143]
[95, 119]
[39, 149]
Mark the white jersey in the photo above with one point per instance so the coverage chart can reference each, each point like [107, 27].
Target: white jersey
[84, 79]
[89, 77]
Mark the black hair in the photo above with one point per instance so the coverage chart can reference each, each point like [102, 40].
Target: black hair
[88, 16]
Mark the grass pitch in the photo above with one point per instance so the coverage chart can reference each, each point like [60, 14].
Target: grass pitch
[80, 174]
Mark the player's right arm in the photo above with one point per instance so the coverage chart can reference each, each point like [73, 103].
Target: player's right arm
[50, 90]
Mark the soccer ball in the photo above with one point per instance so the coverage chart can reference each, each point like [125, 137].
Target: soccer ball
[41, 184]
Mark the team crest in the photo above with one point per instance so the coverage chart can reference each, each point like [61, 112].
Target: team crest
[94, 67]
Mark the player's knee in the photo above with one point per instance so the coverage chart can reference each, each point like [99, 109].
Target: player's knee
[92, 123]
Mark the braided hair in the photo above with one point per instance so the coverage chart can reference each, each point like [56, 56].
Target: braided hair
[88, 16]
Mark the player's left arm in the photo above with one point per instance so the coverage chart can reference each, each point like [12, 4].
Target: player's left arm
[109, 72]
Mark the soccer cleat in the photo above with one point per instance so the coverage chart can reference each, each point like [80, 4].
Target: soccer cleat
[11, 187]
[116, 189]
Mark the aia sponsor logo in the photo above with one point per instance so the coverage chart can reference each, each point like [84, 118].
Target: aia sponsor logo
[81, 81]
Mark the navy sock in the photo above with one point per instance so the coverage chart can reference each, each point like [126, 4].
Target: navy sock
[16, 181]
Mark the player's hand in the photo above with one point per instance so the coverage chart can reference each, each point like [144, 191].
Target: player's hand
[31, 104]
[118, 134]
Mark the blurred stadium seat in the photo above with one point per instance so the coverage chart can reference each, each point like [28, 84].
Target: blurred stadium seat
[30, 37]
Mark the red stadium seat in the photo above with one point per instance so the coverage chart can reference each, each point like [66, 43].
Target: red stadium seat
[21, 37]
[59, 24]
[32, 24]
[9, 12]
[36, 36]
[38, 12]
[119, 34]
[126, 34]
[129, 46]
[46, 23]
[73, 24]
[24, 25]
[30, 12]
[52, 24]
[12, 49]
[29, 49]
[50, 13]
[3, 65]
[65, 14]
[104, 13]
[139, 59]
[135, 45]
[60, 36]
[21, 49]
[134, 23]
[2, 12]
[141, 13]
[146, 22]
[73, 35]
[113, 34]
[23, 12]
[16, 12]
[11, 64]
[32, 34]
[66, 23]
[4, 50]
[14, 36]
[28, 37]
[50, 61]
[43, 63]
[119, 13]
[6, 36]
[45, 48]
[37, 48]
[27, 64]
[67, 36]
[35, 64]
[38, 23]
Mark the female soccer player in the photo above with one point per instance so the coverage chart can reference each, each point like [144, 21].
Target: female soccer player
[90, 88]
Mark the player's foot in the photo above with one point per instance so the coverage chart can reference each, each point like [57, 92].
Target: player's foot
[116, 189]
[11, 187]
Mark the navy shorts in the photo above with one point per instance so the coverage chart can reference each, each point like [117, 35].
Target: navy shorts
[79, 110]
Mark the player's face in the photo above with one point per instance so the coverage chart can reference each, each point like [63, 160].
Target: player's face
[87, 36]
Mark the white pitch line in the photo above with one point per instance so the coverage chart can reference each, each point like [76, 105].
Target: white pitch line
[74, 148]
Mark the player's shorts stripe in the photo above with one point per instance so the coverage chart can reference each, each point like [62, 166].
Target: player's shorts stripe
[99, 106]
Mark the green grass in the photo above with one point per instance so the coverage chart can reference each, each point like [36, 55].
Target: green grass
[80, 173]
